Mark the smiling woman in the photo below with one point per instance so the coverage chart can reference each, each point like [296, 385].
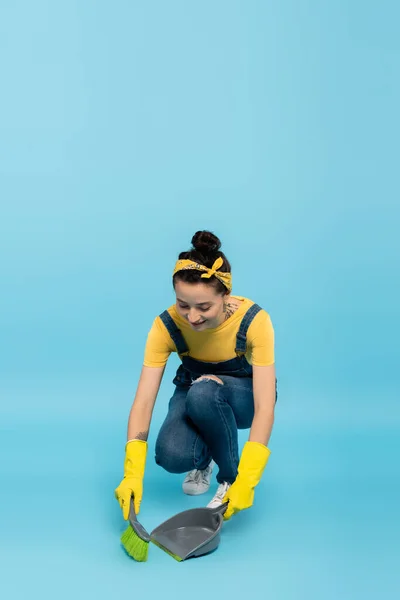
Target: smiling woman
[226, 346]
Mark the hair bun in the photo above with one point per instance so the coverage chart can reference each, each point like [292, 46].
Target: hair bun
[206, 242]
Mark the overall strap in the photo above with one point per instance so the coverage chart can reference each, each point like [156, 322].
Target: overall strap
[175, 333]
[244, 326]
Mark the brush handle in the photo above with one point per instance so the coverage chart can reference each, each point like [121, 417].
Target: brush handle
[134, 523]
[132, 514]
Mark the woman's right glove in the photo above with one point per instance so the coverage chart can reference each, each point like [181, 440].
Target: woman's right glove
[132, 483]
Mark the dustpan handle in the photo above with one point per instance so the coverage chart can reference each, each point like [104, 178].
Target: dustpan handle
[220, 510]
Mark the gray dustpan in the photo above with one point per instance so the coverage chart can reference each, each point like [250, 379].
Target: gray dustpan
[191, 533]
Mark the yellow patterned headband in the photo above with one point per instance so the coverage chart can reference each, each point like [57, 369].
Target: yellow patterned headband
[224, 278]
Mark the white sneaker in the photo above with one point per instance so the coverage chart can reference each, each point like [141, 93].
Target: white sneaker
[198, 481]
[219, 496]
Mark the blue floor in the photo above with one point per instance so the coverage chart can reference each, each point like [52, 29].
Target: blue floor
[125, 128]
[324, 524]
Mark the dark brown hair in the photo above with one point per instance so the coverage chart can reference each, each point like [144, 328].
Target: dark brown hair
[205, 251]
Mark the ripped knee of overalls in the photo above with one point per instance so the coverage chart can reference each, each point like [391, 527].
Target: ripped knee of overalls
[208, 378]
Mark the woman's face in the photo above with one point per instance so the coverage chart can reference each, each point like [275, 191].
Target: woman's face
[200, 305]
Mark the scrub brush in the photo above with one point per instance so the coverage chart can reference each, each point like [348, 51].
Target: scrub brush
[135, 538]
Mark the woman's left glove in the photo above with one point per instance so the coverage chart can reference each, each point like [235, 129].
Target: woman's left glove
[252, 463]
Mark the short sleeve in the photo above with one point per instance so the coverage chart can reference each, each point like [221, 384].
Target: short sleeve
[159, 345]
[261, 339]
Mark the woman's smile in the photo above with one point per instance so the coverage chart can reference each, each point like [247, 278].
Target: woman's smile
[198, 324]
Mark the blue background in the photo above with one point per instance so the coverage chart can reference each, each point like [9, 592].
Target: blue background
[124, 128]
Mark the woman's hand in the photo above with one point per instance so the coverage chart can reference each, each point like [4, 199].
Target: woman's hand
[240, 496]
[129, 486]
[132, 483]
[251, 467]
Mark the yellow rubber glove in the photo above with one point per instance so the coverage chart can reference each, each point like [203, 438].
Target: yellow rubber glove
[132, 483]
[252, 463]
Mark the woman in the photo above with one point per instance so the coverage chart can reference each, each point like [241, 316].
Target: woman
[226, 382]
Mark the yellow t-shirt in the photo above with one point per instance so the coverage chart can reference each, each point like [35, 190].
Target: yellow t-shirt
[214, 345]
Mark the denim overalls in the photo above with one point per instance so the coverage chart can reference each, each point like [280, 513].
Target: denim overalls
[191, 369]
[204, 416]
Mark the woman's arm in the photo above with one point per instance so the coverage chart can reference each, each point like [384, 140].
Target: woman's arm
[255, 453]
[143, 404]
[264, 390]
[138, 431]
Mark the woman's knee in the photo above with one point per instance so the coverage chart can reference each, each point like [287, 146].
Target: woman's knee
[203, 393]
[208, 378]
[169, 455]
